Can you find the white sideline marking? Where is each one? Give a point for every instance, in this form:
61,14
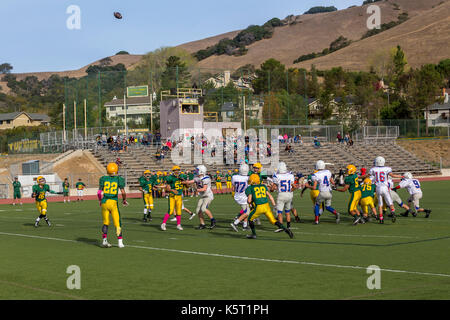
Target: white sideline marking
240,257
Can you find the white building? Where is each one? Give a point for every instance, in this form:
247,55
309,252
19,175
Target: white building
438,113
137,109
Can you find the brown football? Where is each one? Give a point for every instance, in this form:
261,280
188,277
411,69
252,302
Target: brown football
117,15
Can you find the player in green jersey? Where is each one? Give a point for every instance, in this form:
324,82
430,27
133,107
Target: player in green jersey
17,191
351,183
66,189
108,195
38,192
146,184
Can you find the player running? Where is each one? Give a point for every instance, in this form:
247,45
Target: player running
323,181
239,185
351,183
203,183
415,194
380,175
146,184
313,193
39,190
284,181
396,198
108,191
259,196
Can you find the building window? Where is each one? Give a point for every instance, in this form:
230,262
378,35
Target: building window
112,108
8,121
230,114
190,108
433,111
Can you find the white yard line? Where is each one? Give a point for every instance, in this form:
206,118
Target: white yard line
241,257
40,290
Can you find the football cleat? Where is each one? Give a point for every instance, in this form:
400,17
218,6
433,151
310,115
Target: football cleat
105,244
251,236
48,222
144,219
213,224
338,217
278,230
427,211
201,227
316,222
404,214
121,245
192,216
36,224
289,232
356,220
394,217
233,226
179,227
173,219
381,221
297,219
163,227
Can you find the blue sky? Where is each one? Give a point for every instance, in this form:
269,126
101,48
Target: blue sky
35,37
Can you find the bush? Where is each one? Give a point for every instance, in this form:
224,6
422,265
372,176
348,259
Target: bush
320,9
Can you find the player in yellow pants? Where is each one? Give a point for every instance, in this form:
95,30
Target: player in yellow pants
108,195
39,191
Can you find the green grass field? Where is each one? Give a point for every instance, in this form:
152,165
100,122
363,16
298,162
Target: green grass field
327,261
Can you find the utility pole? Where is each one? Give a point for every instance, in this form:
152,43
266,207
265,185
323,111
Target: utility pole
85,120
64,122
125,107
245,122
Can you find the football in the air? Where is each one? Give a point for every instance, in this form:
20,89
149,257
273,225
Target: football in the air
118,15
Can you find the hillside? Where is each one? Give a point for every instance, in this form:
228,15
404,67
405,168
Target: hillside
313,33
127,59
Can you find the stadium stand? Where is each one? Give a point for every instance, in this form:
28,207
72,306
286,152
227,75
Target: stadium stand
137,159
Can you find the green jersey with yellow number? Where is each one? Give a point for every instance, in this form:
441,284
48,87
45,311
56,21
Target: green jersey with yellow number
353,181
367,190
259,194
311,182
228,177
39,192
111,186
176,184
147,185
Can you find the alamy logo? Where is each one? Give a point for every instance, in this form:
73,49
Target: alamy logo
374,281
74,280
73,22
374,21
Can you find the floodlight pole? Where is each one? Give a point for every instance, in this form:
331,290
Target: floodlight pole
125,106
75,115
85,120
245,122
64,122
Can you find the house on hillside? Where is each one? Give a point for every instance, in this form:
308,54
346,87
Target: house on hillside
222,80
137,109
315,106
22,119
438,113
253,110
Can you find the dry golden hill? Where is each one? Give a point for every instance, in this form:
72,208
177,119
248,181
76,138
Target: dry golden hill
425,39
429,150
313,33
127,59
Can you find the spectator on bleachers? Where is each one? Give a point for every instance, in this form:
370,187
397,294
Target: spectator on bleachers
339,137
316,142
289,148
346,138
269,149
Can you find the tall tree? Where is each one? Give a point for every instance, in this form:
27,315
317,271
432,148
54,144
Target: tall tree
5,68
176,74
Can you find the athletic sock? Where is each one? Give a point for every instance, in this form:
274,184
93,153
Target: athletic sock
166,217
236,222
178,219
331,209
252,227
288,224
105,231
280,226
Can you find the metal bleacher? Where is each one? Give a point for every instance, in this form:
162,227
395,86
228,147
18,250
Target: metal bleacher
337,155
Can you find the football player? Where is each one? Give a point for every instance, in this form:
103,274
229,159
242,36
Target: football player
284,181
380,175
415,194
351,183
259,196
313,193
65,187
38,193
108,191
203,183
228,177
17,194
239,185
323,182
218,178
367,201
174,186
146,185
80,189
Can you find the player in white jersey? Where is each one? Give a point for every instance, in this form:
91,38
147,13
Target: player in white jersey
323,180
396,198
284,182
380,176
415,193
205,194
239,183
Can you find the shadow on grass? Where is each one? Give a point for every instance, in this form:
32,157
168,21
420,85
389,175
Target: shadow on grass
93,242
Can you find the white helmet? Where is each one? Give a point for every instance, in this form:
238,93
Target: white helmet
243,169
201,169
379,162
408,175
282,168
320,165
